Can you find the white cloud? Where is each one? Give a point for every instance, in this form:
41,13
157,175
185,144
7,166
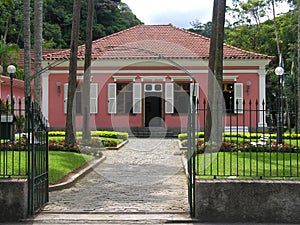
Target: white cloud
179,13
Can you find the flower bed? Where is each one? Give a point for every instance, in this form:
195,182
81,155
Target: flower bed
233,146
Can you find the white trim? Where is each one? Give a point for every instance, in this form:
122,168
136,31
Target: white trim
117,78
191,71
174,78
45,94
153,78
81,77
234,78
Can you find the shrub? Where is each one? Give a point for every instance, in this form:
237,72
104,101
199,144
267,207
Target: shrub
105,134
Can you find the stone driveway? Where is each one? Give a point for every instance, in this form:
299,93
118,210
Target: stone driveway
145,176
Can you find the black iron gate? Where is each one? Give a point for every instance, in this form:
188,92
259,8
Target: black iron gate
191,131
37,136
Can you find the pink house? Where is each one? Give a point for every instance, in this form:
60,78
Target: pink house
143,76
18,91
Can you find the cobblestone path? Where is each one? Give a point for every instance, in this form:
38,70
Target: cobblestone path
146,175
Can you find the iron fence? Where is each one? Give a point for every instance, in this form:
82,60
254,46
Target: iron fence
13,142
251,141
24,149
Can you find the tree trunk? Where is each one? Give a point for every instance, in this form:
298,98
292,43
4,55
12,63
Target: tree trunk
27,48
38,48
86,135
214,123
211,70
298,75
70,120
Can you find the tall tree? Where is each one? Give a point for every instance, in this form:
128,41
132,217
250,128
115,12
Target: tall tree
27,47
70,120
215,75
298,75
38,42
87,71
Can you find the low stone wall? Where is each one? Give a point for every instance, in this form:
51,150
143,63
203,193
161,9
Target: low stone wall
247,201
13,199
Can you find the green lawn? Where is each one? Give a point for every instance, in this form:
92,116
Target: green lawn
60,163
248,164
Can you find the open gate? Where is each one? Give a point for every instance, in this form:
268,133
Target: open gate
191,154
37,136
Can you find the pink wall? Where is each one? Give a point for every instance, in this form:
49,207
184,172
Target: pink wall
103,119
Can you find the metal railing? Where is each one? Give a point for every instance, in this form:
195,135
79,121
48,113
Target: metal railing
13,142
255,144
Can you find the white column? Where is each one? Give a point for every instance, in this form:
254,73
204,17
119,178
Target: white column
45,94
262,97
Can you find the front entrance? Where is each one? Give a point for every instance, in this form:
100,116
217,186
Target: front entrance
153,105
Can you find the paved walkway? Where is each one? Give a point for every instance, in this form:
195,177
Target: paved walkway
145,176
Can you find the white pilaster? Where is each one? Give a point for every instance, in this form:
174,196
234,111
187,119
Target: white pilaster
45,94
262,97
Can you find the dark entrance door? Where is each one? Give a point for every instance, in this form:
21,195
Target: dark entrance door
153,109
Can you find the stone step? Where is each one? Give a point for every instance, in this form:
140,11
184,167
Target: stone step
110,218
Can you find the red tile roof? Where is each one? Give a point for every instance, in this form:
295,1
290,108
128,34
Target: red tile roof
20,56
154,41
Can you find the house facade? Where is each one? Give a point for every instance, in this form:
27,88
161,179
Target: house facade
18,92
145,76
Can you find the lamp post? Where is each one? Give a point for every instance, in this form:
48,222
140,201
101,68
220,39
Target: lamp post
11,69
279,71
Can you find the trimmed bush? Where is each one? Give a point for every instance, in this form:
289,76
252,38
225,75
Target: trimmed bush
106,134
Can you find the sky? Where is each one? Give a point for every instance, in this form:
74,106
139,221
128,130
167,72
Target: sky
177,12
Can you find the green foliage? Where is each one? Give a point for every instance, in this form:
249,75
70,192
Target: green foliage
110,16
183,136
105,134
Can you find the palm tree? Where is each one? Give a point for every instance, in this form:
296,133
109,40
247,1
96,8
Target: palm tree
87,71
298,75
27,47
38,39
7,53
70,121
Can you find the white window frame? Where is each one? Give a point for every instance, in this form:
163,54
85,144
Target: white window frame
169,98
238,98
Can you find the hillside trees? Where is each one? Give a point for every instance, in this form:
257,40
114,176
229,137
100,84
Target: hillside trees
110,16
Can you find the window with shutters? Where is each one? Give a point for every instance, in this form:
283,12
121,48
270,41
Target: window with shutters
233,96
181,97
78,98
124,98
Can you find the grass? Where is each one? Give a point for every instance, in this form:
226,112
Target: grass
62,163
14,163
249,164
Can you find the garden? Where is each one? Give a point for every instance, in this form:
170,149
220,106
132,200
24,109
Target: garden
63,158
247,155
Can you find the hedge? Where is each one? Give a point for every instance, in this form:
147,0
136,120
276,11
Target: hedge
183,136
106,134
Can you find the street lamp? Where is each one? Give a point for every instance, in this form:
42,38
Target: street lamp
279,71
11,69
